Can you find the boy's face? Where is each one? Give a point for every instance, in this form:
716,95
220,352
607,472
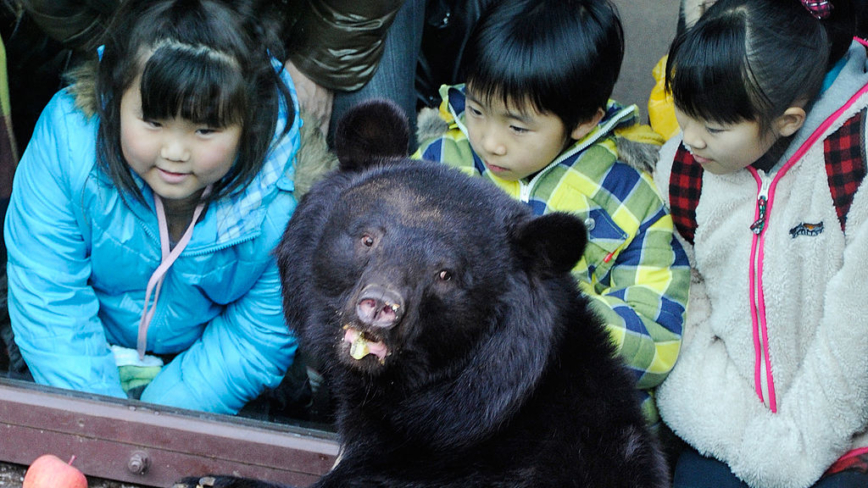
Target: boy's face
513,143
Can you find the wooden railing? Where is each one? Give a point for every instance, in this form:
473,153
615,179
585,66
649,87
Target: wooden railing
148,445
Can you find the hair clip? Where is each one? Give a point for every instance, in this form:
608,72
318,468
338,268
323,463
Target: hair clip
819,9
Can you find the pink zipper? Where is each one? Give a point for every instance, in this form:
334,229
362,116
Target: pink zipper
759,327
760,224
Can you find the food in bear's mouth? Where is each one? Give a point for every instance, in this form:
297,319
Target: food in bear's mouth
362,344
359,348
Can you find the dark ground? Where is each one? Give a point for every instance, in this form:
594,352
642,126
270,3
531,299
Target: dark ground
12,476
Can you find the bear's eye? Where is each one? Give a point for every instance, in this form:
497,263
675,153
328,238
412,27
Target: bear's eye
445,275
367,240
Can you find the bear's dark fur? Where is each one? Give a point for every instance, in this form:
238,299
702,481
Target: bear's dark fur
458,347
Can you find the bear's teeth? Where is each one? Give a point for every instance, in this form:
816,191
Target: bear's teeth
359,348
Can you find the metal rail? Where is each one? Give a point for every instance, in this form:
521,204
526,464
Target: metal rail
149,445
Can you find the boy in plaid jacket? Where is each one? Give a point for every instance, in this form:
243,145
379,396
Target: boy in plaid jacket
535,119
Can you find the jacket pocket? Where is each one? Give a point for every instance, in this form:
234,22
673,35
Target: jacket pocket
605,239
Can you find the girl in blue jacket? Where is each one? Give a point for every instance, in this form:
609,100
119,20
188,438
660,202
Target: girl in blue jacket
145,210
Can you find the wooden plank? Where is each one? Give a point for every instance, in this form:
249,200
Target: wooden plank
110,438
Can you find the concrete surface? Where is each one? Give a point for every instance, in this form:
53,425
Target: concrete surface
649,27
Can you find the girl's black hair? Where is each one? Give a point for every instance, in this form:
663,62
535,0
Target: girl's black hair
750,60
562,56
202,60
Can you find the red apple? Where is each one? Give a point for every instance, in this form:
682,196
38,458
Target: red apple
49,471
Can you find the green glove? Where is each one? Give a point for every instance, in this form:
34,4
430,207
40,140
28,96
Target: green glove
136,376
135,373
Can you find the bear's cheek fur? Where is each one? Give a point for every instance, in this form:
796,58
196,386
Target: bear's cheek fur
449,325
337,268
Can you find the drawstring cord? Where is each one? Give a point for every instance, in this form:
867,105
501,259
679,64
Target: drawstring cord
168,258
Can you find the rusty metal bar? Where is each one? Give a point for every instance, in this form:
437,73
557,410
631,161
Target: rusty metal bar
113,439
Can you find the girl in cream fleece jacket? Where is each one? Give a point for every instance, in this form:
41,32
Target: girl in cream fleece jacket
765,185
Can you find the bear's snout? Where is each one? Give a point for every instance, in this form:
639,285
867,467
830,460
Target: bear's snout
379,307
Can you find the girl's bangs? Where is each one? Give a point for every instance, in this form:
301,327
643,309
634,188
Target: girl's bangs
193,84
708,77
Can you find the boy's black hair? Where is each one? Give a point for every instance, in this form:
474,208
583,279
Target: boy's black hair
561,56
750,60
199,59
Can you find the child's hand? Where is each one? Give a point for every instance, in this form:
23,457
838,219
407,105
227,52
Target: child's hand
135,373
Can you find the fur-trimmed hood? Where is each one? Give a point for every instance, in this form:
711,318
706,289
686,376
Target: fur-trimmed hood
82,85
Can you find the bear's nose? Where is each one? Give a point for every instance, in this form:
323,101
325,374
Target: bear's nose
379,306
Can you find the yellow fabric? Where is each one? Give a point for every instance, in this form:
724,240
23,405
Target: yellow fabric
661,109
5,105
4,85
641,133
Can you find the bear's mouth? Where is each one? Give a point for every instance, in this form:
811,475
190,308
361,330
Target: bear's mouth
363,343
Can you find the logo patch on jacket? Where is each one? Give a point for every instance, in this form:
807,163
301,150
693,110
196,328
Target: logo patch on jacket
805,229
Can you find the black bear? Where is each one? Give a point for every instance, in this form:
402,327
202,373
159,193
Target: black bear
458,347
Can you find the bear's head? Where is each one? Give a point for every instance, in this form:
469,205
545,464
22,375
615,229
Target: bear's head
400,269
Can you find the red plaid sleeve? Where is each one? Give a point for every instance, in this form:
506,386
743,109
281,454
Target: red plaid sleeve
685,186
845,163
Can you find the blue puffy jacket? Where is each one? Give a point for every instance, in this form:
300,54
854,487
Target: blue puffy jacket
80,257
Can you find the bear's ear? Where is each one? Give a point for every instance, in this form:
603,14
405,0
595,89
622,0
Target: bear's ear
371,132
551,243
